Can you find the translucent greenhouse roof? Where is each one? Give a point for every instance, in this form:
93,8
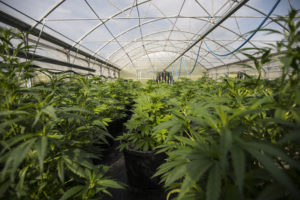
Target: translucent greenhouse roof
148,35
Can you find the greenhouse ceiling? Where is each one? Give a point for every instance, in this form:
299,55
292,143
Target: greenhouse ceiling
150,35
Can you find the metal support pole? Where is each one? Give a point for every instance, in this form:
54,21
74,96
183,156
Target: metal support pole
232,11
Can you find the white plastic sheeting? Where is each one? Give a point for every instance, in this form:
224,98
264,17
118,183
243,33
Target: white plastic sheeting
144,36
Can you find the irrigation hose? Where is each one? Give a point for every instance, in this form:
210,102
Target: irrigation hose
226,54
249,38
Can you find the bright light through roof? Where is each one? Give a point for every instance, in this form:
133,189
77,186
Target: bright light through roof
142,34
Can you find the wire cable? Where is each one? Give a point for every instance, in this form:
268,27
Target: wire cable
249,38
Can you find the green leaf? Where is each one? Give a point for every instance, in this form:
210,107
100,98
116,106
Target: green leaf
185,140
238,162
50,110
74,167
11,142
61,170
10,122
277,173
22,176
225,143
195,171
13,112
37,118
177,173
41,150
168,166
276,152
16,157
110,183
213,187
71,192
99,123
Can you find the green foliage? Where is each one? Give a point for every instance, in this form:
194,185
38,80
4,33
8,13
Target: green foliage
150,109
225,139
46,130
237,139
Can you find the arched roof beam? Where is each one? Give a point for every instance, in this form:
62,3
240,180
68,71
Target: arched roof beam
101,23
121,46
150,21
168,51
192,52
142,38
159,32
48,13
137,39
174,24
202,36
173,46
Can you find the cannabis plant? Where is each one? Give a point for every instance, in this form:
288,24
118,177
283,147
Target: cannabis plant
150,110
240,140
46,133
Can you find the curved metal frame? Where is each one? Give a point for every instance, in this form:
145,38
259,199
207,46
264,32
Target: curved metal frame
150,21
142,37
157,51
137,39
192,52
169,51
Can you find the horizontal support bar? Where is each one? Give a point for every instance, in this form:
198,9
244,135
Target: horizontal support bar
202,36
14,22
154,17
39,58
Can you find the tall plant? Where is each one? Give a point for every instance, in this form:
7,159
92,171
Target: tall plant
245,144
45,135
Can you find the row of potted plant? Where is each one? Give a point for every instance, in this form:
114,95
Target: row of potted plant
225,139
53,131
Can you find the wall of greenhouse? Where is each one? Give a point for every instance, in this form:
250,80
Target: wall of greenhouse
270,71
149,99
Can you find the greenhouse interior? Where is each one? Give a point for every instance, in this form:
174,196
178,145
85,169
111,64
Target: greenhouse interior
150,99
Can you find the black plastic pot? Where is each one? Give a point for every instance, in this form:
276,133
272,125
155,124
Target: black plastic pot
141,166
115,127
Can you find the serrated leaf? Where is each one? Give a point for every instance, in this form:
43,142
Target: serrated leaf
110,183
239,164
276,152
16,157
195,171
177,173
22,176
41,150
225,143
13,112
72,192
277,173
50,111
185,140
213,187
61,170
